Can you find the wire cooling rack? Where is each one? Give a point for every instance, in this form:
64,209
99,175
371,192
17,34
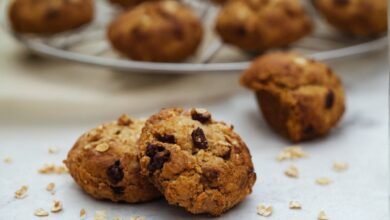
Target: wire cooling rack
89,45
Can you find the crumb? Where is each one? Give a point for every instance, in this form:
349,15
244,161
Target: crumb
22,192
294,205
339,167
41,212
292,172
323,181
264,210
57,206
103,147
322,216
8,160
83,213
291,153
51,187
53,150
53,169
100,215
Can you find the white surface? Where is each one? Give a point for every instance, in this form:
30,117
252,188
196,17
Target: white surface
360,140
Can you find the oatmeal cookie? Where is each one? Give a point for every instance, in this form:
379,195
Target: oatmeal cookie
49,16
300,98
197,163
257,25
355,17
163,31
104,162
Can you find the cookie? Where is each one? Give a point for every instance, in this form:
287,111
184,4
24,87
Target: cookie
49,16
104,162
257,25
163,31
300,98
128,3
197,163
355,17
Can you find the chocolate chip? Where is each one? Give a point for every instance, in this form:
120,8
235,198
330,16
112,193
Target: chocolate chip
329,99
226,155
158,156
309,130
199,139
115,172
210,174
165,138
117,190
341,2
201,115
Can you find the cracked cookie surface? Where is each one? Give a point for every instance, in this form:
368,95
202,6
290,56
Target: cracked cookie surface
104,162
300,98
49,16
196,162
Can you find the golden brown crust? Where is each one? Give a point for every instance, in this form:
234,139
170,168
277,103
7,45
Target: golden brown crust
355,17
299,98
49,16
157,31
257,25
113,173
197,163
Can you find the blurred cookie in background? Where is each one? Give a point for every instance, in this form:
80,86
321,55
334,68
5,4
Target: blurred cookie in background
163,31
49,16
258,25
299,98
355,17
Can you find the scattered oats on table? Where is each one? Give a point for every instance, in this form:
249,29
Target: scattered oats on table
291,153
53,169
51,187
41,213
57,206
264,210
100,215
339,166
294,205
83,213
22,192
137,218
292,171
322,216
8,160
323,181
53,150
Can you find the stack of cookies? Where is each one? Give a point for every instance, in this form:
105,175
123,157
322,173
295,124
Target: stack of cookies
192,160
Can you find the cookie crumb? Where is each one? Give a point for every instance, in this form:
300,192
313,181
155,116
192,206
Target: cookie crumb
53,150
323,181
291,153
51,187
339,166
292,171
52,169
22,192
103,147
8,160
83,213
100,215
124,120
137,218
264,210
322,216
41,213
57,206
294,205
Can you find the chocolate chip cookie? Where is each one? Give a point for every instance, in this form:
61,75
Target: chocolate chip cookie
163,31
355,17
49,16
196,162
257,25
104,162
300,98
